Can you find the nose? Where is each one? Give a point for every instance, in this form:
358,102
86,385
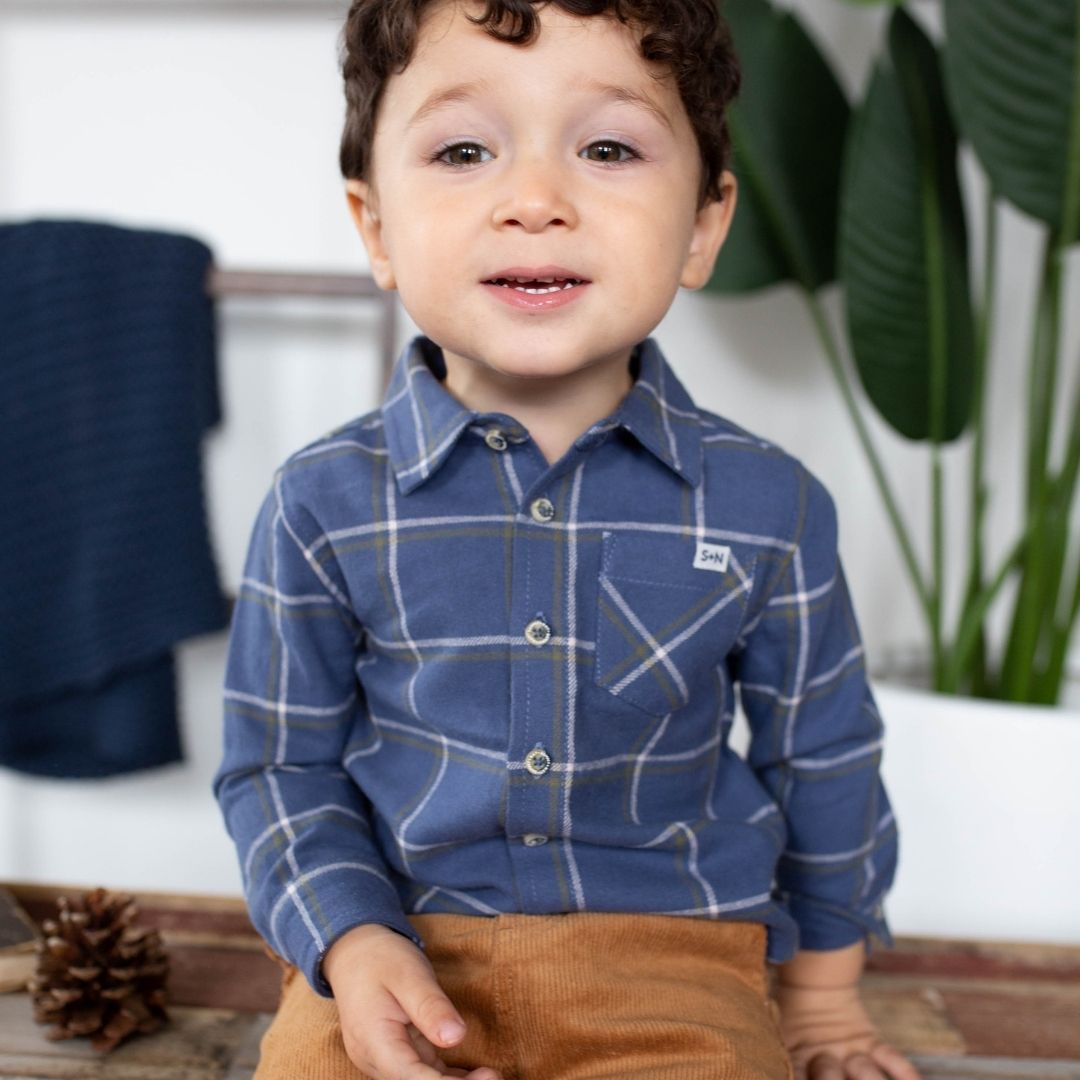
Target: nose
536,196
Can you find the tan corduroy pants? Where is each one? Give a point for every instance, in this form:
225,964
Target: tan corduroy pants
582,996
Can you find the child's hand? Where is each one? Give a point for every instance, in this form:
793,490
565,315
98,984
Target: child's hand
830,1037
392,1009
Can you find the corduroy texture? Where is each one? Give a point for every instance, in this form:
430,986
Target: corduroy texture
108,383
580,996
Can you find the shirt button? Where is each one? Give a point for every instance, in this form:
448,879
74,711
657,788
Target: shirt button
496,439
542,510
537,762
533,839
538,633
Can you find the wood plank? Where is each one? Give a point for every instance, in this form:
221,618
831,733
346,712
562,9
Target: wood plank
197,1044
246,1056
226,916
978,959
217,958
222,979
1003,1023
976,1068
913,1017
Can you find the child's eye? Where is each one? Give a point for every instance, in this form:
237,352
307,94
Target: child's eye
609,152
462,154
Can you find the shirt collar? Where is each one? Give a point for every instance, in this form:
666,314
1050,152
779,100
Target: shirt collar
424,421
661,415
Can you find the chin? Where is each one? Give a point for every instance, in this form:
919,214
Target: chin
539,367
523,360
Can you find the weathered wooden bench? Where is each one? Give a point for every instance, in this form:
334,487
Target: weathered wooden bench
962,1009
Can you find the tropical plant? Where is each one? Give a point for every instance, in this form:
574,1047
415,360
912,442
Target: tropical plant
871,198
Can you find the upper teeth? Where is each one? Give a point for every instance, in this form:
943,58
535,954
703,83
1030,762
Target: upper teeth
568,283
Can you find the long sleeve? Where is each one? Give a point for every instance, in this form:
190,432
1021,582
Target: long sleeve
816,737
302,828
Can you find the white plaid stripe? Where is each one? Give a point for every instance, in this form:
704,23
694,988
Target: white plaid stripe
639,764
291,709
318,599
572,695
659,653
372,529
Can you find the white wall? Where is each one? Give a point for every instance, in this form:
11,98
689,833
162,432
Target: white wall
224,123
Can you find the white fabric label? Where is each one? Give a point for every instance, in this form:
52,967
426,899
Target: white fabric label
712,557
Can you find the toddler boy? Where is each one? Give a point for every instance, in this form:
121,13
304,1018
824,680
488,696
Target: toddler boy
483,664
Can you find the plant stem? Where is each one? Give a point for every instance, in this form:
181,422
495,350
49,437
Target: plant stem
836,364
1019,672
975,609
938,318
976,670
1068,600
1069,614
937,538
1039,372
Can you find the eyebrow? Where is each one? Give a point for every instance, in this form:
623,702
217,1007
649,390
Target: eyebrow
629,96
454,95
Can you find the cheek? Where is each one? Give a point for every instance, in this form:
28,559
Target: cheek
427,231
415,250
662,247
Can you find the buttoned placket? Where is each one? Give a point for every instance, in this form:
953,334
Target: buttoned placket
537,727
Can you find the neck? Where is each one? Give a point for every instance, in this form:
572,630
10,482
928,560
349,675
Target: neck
555,410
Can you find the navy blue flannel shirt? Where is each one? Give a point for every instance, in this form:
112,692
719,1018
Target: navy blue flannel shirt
461,679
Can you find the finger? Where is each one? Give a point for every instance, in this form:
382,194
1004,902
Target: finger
395,1057
824,1066
895,1064
424,1047
430,1009
862,1067
430,1056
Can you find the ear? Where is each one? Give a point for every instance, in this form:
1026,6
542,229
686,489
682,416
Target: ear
710,230
363,205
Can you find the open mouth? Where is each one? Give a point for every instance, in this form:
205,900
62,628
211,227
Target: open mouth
536,286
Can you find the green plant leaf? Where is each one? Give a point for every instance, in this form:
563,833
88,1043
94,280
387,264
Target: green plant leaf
1013,72
787,129
903,245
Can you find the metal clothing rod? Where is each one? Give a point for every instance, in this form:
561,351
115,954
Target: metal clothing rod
225,283
264,282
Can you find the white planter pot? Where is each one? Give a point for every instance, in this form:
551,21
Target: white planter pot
987,799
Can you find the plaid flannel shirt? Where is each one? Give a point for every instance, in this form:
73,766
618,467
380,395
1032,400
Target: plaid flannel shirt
463,680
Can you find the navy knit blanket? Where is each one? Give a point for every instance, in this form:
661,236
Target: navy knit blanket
107,383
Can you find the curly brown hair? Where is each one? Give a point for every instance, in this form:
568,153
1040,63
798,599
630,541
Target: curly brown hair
689,37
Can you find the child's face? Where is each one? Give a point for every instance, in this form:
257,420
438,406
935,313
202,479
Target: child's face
563,158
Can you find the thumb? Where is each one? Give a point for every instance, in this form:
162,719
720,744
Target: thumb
430,1009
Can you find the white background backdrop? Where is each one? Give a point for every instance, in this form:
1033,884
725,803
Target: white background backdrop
223,121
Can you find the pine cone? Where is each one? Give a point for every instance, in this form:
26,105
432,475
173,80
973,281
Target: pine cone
97,974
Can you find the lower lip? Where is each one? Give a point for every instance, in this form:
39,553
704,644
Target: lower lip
524,301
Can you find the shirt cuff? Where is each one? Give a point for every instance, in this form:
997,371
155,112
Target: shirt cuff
341,906
826,926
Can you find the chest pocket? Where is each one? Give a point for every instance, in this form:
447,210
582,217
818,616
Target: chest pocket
668,612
